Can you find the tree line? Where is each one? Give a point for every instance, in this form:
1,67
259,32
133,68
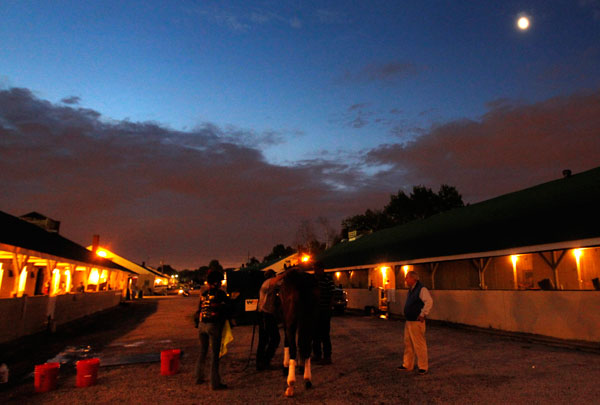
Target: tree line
421,203
198,276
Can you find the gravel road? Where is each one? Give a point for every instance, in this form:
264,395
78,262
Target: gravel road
465,366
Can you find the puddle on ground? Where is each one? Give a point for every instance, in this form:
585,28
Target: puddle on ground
127,344
71,354
129,359
136,344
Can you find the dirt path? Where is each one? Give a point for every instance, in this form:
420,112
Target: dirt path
465,367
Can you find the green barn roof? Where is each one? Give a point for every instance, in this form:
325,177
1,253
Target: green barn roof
562,210
22,234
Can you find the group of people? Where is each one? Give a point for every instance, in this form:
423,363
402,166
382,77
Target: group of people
213,312
270,317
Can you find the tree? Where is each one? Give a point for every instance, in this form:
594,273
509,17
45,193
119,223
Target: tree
186,276
253,261
214,265
450,198
328,231
399,209
306,238
168,270
402,208
200,274
364,223
305,234
279,251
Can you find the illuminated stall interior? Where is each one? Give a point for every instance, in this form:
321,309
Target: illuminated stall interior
35,260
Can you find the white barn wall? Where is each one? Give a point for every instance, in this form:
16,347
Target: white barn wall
28,315
359,298
559,314
571,315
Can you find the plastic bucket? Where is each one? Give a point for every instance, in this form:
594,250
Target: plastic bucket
45,376
169,361
87,372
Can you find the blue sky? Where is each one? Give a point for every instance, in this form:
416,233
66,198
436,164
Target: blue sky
297,67
328,84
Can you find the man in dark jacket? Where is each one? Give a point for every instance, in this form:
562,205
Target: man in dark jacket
322,339
211,319
417,307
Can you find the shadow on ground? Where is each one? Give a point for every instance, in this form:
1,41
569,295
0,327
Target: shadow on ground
96,330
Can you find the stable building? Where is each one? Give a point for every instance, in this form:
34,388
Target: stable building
147,280
47,280
527,261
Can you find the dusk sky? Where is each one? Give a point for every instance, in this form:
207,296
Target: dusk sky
186,131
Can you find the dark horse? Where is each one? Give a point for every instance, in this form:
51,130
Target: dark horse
299,297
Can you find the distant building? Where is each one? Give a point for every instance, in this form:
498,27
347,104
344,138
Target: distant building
147,279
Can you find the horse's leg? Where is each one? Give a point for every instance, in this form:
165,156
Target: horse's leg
291,379
286,349
307,374
286,357
300,362
305,341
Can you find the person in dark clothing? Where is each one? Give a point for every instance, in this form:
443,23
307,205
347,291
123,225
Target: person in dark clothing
268,328
322,339
211,316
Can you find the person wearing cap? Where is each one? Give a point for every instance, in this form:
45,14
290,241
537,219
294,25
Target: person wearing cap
212,313
268,328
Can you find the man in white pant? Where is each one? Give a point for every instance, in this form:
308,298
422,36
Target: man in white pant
417,307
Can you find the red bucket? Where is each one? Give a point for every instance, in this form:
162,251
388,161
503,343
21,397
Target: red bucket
87,372
45,376
169,361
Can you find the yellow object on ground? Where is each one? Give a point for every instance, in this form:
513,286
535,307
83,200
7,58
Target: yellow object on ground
226,338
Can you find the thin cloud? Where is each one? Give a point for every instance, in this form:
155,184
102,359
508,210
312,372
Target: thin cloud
260,17
264,17
357,106
71,100
240,20
356,116
360,115
381,72
330,17
249,138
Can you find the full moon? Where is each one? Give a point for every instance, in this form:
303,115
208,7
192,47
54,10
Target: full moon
523,23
